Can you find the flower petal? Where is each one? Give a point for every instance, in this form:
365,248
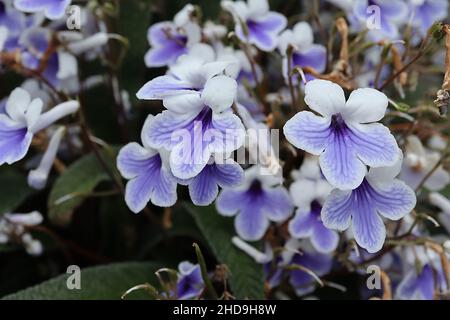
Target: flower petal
340,164
229,174
229,202
277,204
324,240
153,183
302,225
203,188
308,132
14,142
374,144
164,55
395,200
251,223
132,158
368,227
324,97
219,93
365,105
337,210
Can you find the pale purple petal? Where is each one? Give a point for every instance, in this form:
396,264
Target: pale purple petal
374,144
314,57
417,286
190,285
14,142
393,201
277,204
368,227
340,164
164,55
229,175
251,223
337,210
308,132
131,160
302,225
204,189
149,181
263,32
229,202
324,240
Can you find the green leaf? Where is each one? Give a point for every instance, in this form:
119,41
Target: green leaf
247,278
101,282
74,185
13,190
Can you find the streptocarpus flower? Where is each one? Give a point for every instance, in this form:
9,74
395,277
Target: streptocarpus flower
199,121
168,41
303,255
427,12
13,21
381,17
420,285
23,118
308,192
149,177
305,53
61,67
346,137
54,9
204,187
255,24
419,161
189,83
259,200
190,282
379,194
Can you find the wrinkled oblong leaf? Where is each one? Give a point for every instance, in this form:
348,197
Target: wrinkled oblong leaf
74,185
106,282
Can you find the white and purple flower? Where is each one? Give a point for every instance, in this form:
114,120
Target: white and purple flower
149,176
54,9
346,137
308,192
167,44
419,162
382,18
259,200
23,118
199,121
190,282
427,12
305,53
255,23
379,195
420,285
302,254
204,188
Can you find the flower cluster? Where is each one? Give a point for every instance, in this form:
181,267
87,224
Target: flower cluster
315,135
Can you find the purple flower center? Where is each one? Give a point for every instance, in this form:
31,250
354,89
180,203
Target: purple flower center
205,118
316,208
255,191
